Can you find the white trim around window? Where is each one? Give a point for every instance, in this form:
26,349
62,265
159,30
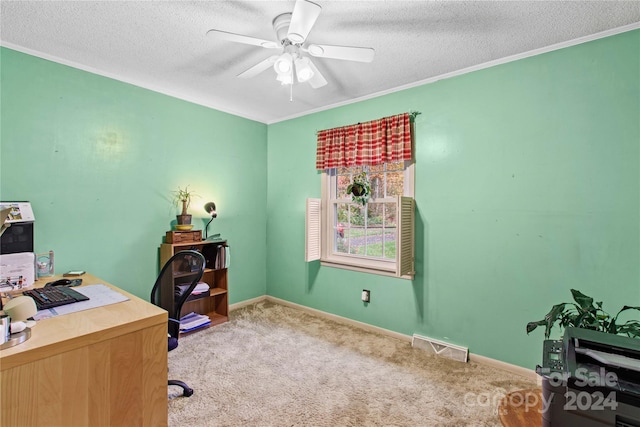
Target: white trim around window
320,214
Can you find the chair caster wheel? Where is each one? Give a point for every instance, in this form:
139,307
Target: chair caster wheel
187,392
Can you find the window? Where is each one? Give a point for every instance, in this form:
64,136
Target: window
376,236
368,238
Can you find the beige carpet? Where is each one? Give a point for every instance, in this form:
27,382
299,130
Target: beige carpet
272,365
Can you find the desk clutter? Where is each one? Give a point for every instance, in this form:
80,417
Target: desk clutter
97,295
54,297
15,326
70,357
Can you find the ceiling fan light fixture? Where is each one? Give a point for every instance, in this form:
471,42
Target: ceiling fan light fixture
292,30
285,78
283,64
303,70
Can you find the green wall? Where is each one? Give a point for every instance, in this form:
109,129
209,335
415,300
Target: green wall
527,185
98,159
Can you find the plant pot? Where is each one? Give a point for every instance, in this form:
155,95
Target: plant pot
357,190
183,219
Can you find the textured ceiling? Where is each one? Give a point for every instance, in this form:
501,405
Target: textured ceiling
162,45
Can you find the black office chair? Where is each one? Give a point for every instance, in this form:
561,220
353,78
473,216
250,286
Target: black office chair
176,281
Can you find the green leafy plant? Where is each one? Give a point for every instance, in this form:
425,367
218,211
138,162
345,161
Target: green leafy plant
360,188
583,313
183,196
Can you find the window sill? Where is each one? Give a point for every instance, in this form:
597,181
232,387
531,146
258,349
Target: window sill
363,269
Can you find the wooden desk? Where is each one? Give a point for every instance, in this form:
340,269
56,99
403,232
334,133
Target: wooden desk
101,367
522,408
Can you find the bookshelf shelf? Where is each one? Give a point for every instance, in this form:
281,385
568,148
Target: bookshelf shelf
217,291
216,304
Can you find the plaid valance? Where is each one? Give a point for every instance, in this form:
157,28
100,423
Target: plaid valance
371,143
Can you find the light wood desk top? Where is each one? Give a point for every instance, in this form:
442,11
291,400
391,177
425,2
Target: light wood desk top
70,331
106,366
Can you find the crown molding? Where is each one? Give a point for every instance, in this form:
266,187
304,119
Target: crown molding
176,94
473,68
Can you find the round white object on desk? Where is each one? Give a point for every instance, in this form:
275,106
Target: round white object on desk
20,308
18,327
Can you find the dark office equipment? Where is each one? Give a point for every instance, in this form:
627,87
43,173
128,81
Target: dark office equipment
64,282
54,297
552,355
598,385
183,268
17,238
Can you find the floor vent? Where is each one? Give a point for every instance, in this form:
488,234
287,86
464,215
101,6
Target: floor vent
450,351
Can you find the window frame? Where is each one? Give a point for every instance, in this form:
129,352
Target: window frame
361,263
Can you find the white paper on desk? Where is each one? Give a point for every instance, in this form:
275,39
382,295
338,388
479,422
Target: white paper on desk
20,267
99,295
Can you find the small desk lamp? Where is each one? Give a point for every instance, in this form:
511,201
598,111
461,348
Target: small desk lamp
210,208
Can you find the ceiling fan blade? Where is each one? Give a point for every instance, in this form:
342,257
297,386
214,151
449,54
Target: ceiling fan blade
317,80
238,38
258,68
360,54
303,17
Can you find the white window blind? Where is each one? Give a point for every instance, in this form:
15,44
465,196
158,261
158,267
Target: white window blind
313,230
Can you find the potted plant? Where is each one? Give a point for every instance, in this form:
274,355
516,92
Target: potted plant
360,188
183,196
583,313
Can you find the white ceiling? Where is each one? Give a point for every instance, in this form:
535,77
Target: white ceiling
162,45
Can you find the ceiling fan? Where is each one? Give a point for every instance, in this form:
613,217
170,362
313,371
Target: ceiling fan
292,30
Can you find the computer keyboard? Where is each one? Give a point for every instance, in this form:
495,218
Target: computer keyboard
54,296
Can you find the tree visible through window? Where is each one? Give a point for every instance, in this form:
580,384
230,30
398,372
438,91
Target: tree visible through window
370,230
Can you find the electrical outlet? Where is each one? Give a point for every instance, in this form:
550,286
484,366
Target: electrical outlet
366,295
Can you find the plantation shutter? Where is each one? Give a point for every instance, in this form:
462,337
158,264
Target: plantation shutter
405,252
312,230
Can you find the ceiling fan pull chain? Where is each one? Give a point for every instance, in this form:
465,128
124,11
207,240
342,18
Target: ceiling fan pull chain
291,92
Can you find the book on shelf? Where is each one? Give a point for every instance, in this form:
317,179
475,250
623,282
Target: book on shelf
193,321
204,325
200,291
198,295
222,257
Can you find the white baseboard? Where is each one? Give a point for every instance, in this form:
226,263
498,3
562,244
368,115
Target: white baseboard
514,369
341,319
247,302
476,358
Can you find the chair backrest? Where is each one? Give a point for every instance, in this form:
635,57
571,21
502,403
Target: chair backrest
177,279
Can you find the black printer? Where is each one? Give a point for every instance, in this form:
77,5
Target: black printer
591,379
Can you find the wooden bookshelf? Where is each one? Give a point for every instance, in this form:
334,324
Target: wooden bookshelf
216,305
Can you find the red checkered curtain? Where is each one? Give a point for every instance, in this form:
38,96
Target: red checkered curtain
371,143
